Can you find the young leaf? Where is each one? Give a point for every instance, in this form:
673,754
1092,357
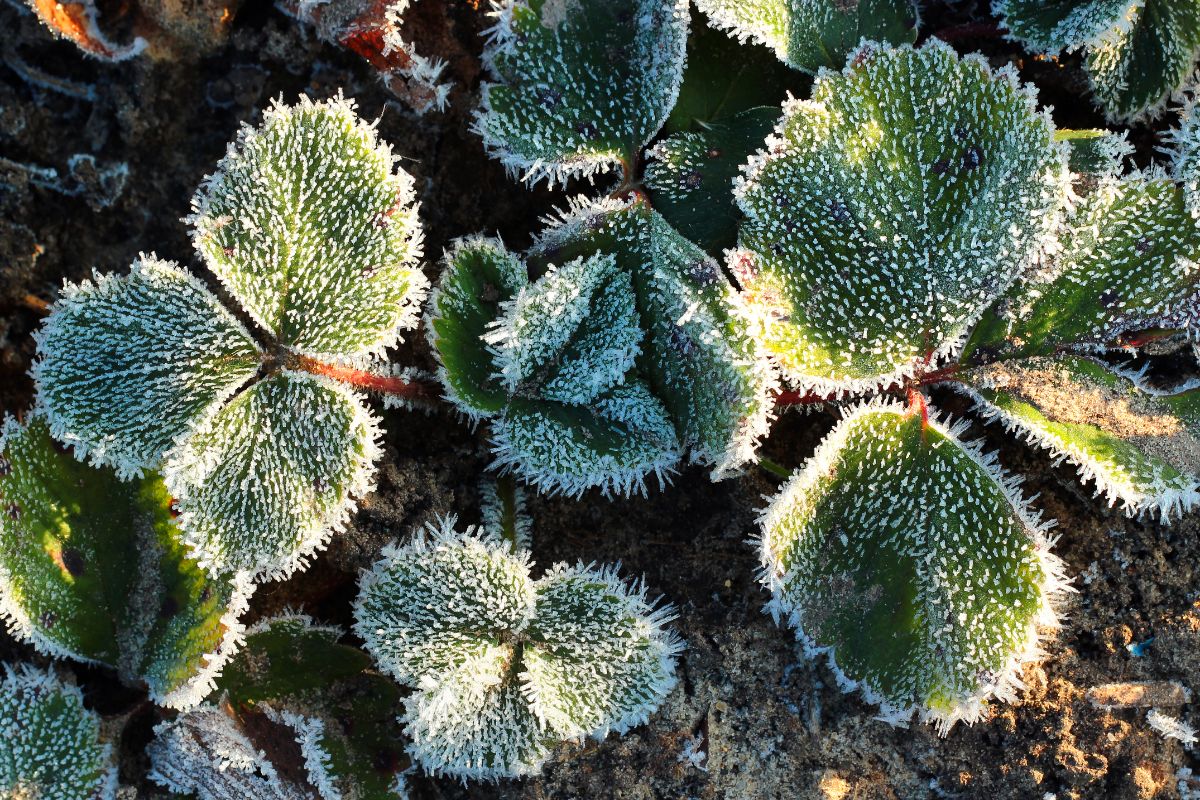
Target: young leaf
907,557
128,365
92,568
52,745
810,34
311,230
504,665
581,84
479,275
887,212
1139,448
698,357
1125,265
690,176
1096,152
264,481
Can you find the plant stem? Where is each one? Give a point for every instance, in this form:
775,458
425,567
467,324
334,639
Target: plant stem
506,493
773,468
365,379
968,30
793,398
35,303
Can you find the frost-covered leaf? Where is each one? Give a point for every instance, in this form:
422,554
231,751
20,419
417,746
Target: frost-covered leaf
265,481
810,34
94,569
1096,152
690,176
312,230
582,85
1185,155
1144,60
889,210
127,365
52,745
1051,26
77,21
504,666
1126,264
698,357
1139,448
479,274
913,563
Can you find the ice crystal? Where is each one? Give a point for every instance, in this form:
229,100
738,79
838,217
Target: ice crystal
810,34
1139,52
889,210
504,665
907,557
1171,728
94,569
1185,155
315,234
581,85
52,744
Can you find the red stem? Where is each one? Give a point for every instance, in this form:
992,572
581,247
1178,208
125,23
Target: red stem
794,398
372,382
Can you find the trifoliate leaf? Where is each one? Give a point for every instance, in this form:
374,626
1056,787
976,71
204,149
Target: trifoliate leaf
574,333
516,665
1051,26
724,77
265,481
127,365
1125,265
479,274
698,357
614,443
1145,58
94,569
909,559
1096,152
690,176
810,34
1140,449
311,230
52,745
887,212
582,85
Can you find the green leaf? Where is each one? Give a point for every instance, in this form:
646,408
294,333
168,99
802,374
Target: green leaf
810,34
265,481
1125,265
690,176
698,357
1184,151
907,557
94,569
52,744
1096,152
505,666
890,210
128,365
581,84
479,275
1142,62
1139,448
724,78
311,230
1050,26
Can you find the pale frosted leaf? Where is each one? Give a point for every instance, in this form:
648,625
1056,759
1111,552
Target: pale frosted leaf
1051,26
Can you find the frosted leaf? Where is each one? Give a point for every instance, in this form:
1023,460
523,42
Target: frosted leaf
810,34
502,508
690,176
1171,727
888,211
1124,266
911,561
313,232
615,443
1096,152
519,665
52,745
1139,448
479,274
264,482
700,360
574,332
127,365
1185,155
1057,25
581,84
94,569
77,21
204,753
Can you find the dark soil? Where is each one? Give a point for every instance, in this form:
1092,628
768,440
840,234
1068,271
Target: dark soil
772,724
